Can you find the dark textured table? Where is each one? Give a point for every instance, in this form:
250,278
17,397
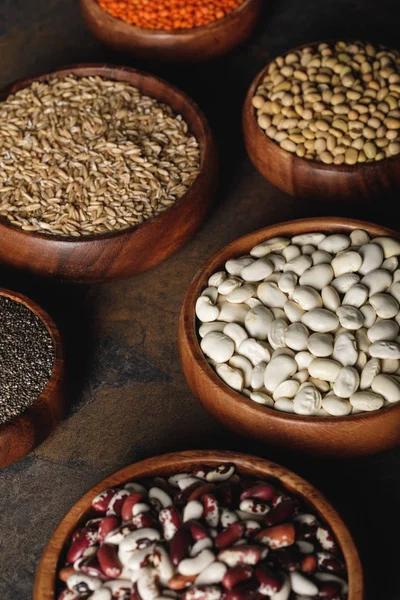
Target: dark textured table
127,396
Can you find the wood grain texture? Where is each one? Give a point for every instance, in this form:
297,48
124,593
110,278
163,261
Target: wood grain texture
182,45
354,435
310,179
45,583
125,253
21,435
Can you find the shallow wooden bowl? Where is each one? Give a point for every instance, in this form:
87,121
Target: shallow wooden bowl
310,179
122,254
46,576
181,45
355,435
21,435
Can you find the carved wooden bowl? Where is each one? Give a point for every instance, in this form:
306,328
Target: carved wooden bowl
46,576
22,434
354,435
310,179
181,45
128,252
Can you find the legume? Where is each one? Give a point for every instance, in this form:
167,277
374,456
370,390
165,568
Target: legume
86,155
26,358
208,535
168,15
333,103
308,325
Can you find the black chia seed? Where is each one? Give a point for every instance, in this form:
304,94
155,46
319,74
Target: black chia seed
26,358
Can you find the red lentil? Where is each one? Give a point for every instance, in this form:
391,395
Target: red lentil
169,14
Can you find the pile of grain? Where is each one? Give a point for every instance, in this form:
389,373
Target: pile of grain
86,155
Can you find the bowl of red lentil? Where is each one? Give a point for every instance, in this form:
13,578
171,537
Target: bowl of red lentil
32,376
104,173
182,30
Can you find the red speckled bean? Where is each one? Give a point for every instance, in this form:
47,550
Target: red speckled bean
325,539
198,492
87,538
109,561
240,555
102,500
197,531
145,519
269,581
237,575
179,545
229,536
262,491
129,503
91,567
329,563
284,511
107,525
278,536
211,509
170,521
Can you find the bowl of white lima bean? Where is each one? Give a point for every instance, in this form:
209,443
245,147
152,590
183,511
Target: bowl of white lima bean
323,121
290,335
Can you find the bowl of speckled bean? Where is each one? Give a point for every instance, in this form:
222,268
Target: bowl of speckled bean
190,31
322,121
202,524
290,335
31,376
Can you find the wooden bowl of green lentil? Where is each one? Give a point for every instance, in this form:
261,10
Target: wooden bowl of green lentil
180,45
122,253
306,177
34,419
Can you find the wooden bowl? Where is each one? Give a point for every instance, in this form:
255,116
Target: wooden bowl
46,580
121,254
181,45
310,179
21,435
355,435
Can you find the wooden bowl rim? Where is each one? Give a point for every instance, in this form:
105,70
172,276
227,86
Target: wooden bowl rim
285,155
165,35
57,370
188,321
86,69
45,580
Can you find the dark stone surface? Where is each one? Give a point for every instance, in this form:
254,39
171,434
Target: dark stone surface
127,396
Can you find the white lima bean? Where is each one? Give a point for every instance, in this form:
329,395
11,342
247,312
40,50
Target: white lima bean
308,325
317,277
320,344
345,349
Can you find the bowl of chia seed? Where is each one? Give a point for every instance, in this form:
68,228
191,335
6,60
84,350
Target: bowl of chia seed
31,376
